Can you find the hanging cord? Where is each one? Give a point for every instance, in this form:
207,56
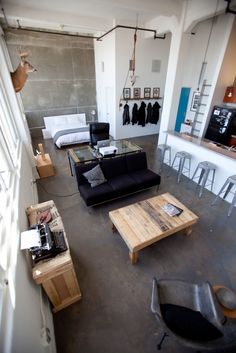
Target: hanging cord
132,58
207,46
52,194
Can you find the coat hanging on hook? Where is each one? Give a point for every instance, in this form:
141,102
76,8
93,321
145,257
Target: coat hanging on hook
134,114
126,117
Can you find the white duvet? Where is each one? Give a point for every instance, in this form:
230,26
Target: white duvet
70,139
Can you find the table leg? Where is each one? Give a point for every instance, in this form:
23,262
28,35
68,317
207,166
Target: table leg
114,229
70,164
133,257
188,230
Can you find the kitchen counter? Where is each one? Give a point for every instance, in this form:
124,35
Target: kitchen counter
221,149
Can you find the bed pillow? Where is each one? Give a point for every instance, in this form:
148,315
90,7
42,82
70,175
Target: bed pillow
95,176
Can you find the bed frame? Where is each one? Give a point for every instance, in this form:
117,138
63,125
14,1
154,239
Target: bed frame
68,119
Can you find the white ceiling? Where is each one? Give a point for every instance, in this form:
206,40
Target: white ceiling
89,16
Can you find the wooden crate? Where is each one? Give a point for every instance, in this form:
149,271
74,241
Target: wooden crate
44,165
57,275
59,281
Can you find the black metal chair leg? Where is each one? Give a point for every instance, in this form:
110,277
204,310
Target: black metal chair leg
161,341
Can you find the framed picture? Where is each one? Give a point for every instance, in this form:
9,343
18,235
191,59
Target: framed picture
147,92
156,92
136,92
195,101
126,93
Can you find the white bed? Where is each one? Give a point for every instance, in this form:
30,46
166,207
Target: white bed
66,129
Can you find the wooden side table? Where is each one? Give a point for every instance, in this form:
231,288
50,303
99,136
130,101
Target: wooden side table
57,275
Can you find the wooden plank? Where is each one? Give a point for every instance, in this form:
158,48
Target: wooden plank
51,292
71,282
66,303
61,287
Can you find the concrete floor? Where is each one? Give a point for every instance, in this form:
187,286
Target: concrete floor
114,314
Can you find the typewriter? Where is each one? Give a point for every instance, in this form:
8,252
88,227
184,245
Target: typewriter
51,243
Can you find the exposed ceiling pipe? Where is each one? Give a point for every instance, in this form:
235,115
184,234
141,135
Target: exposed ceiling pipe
135,28
228,10
62,33
39,30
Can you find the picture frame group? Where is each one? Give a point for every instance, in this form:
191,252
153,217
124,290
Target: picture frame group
148,93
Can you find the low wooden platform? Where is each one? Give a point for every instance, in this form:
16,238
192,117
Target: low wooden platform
144,223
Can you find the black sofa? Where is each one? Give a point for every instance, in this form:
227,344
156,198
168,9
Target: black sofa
124,174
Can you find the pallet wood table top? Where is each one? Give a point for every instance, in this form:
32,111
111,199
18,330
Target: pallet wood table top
145,222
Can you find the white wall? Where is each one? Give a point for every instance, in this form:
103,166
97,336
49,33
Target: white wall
21,319
190,56
105,80
27,319
198,49
192,50
115,50
227,72
147,49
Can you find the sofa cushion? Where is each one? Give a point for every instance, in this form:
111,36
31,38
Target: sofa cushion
82,168
122,183
136,161
92,196
145,178
113,166
95,176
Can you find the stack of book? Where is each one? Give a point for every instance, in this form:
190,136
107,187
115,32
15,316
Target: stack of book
172,210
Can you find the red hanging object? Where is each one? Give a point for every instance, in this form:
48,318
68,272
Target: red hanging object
132,68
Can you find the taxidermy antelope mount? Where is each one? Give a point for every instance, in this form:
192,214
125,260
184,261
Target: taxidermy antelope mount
19,76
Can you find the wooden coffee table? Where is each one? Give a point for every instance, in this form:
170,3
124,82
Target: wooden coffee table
143,223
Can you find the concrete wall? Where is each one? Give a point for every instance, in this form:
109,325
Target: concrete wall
65,79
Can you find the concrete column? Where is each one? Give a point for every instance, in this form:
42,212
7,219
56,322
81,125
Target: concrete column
171,95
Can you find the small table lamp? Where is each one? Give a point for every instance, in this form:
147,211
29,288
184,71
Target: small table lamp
230,95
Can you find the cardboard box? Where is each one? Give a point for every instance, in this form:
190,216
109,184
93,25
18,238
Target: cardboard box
44,165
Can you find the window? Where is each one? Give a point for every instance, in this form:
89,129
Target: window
9,172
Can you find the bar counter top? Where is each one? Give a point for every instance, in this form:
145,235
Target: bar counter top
216,147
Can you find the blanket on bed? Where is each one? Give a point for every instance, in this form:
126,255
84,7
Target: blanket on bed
69,131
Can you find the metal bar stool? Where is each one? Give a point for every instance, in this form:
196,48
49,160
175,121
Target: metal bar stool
183,156
164,148
230,182
204,168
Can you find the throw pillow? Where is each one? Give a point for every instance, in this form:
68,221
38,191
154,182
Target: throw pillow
188,323
95,176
